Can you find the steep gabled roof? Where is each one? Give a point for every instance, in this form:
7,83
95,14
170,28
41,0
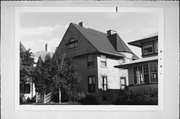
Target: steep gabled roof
98,40
101,42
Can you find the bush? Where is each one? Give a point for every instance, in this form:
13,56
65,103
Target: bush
147,97
32,100
88,100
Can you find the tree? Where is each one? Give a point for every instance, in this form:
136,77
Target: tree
42,75
26,66
65,78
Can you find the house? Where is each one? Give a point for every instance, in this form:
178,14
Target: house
26,87
143,72
94,55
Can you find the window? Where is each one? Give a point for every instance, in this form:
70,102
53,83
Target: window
148,48
135,75
104,83
103,61
146,73
71,44
138,75
123,82
91,61
154,72
25,88
91,84
156,46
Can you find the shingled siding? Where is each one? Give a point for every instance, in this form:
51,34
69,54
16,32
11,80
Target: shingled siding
84,47
84,71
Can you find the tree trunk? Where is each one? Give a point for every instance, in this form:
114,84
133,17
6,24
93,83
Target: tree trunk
59,95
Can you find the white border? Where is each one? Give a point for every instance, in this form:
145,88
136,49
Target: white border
160,12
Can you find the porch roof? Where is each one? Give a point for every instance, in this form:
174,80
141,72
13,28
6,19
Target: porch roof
141,60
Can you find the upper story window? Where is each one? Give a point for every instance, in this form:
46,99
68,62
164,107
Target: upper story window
91,61
150,48
147,48
156,46
103,61
73,43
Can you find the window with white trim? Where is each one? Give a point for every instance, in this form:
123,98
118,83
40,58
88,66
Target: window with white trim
123,82
156,46
104,83
103,61
147,48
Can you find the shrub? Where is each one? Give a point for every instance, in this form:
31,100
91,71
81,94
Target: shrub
146,97
88,100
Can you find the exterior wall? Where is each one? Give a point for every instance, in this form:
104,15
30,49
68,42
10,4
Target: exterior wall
80,63
113,74
128,57
84,47
113,78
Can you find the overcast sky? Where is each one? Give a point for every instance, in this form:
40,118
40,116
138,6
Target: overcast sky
37,29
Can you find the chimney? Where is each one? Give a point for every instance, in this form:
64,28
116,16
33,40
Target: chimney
81,24
110,32
112,36
46,46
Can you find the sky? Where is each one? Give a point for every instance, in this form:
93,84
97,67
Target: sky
40,28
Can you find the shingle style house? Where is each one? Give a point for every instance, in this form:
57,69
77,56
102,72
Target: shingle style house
94,55
144,71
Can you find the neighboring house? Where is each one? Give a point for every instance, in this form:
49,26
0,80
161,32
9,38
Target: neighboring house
27,88
144,71
94,55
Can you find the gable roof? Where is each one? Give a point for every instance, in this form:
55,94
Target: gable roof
101,42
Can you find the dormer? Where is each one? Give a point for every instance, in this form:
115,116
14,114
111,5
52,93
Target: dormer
148,45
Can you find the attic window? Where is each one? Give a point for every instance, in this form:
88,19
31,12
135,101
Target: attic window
71,44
